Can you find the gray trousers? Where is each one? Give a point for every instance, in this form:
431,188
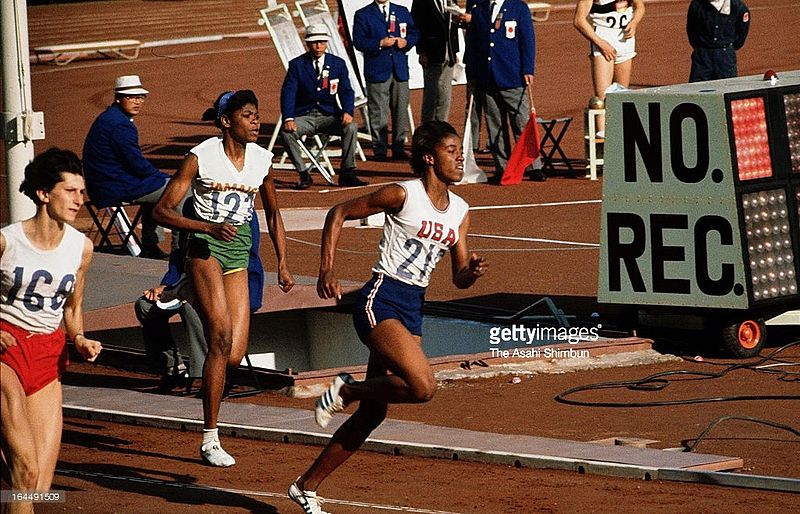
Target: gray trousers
316,122
438,84
383,98
160,346
504,107
475,118
152,233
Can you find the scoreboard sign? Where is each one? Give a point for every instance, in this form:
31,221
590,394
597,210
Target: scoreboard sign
701,195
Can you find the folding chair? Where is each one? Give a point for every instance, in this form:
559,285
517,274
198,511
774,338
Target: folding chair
553,131
114,221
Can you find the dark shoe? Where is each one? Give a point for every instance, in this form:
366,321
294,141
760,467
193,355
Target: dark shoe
381,157
538,175
153,252
173,381
348,178
305,181
400,156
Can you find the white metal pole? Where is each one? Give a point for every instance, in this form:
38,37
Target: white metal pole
17,116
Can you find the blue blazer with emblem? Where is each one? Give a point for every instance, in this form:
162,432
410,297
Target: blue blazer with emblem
500,51
369,27
302,91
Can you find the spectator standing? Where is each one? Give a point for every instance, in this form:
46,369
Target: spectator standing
610,26
437,49
317,98
384,32
115,169
500,64
716,30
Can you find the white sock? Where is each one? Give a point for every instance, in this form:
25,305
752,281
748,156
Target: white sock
210,435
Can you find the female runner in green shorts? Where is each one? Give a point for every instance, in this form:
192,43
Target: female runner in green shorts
224,174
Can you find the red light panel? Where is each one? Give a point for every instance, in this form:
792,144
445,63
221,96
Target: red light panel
750,138
791,104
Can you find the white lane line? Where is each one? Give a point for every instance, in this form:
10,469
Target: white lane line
528,205
244,492
535,240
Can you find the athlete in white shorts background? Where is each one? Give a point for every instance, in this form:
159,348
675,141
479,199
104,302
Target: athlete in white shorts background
610,26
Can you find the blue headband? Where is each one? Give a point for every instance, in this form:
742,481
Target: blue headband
223,103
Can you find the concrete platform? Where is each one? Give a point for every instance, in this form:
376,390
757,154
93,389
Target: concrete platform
108,304
393,436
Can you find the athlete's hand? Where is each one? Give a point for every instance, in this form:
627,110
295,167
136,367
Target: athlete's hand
630,30
477,266
347,118
222,231
608,51
388,41
285,279
401,43
6,341
423,60
88,348
328,286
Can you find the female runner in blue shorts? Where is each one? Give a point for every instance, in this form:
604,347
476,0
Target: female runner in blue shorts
424,220
224,174
43,265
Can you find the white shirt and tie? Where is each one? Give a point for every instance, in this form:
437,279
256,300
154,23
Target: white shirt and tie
318,63
496,6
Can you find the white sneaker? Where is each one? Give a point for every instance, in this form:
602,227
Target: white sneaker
330,402
213,455
308,500
180,291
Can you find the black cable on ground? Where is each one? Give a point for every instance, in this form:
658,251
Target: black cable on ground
690,447
658,382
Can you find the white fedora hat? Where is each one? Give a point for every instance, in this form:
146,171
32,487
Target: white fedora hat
317,32
129,85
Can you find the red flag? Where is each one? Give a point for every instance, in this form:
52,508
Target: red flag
525,152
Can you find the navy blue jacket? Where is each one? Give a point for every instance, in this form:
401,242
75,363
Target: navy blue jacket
113,164
302,91
369,27
437,32
500,52
708,28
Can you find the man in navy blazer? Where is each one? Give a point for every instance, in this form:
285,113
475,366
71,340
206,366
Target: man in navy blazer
384,33
316,98
116,171
499,58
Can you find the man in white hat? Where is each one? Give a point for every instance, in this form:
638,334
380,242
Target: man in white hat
114,167
316,98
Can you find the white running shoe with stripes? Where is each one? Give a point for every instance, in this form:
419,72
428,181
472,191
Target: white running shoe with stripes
330,402
308,500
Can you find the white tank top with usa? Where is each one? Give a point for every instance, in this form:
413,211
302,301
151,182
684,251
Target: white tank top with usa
36,283
221,192
416,237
